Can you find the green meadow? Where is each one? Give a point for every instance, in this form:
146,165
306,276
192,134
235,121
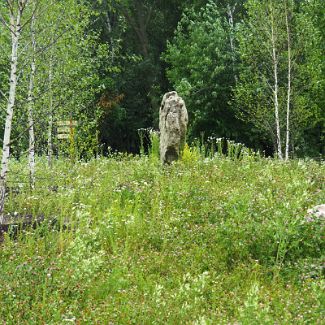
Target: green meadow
219,240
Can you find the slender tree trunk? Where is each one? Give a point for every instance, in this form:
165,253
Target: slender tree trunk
15,26
142,27
50,125
276,90
31,151
139,20
109,29
230,13
289,88
50,120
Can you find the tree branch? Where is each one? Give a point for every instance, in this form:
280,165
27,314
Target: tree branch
3,20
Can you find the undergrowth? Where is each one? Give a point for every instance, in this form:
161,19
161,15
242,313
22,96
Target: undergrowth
216,240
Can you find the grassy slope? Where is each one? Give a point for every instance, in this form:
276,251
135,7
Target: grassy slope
205,242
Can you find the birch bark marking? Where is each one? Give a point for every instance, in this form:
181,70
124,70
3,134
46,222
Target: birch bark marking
15,28
289,87
31,150
276,87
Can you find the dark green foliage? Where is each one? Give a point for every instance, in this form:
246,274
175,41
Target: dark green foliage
202,70
142,28
116,60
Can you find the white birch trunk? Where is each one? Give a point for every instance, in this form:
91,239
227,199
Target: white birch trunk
276,91
31,151
288,90
50,120
50,125
15,26
230,13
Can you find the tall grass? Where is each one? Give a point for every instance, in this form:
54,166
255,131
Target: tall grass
217,239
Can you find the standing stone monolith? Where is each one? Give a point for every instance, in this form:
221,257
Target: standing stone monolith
173,119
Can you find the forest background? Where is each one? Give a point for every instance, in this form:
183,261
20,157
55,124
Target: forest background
250,71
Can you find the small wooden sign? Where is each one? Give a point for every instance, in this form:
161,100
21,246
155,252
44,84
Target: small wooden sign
63,136
65,129
67,123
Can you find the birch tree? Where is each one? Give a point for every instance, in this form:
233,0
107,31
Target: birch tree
50,123
65,36
288,30
31,149
275,61
231,8
66,80
271,91
70,68
15,11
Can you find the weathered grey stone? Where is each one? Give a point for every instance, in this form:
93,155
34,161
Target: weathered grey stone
316,213
173,119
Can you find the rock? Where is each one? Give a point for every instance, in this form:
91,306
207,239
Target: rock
173,119
317,212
